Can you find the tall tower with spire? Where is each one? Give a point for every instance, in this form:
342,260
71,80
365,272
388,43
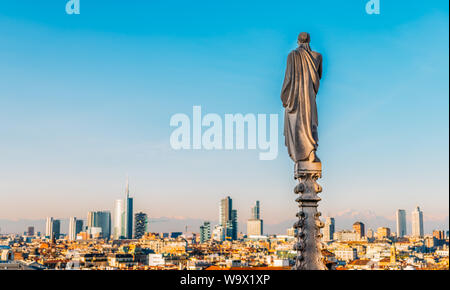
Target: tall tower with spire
128,220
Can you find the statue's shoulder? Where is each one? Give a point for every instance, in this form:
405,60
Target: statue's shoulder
316,54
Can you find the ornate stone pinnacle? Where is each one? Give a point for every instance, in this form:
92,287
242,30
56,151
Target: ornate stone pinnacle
308,246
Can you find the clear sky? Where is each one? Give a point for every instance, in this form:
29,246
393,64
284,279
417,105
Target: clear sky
86,99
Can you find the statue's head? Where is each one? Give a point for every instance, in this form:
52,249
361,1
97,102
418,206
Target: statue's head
303,38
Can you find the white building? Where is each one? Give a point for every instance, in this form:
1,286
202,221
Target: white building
347,254
254,227
118,219
72,228
156,260
417,223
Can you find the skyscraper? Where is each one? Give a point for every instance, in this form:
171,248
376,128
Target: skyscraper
328,230
119,219
417,223
226,205
72,229
140,226
401,223
100,219
255,224
359,228
75,227
56,230
52,228
228,218
128,214
256,211
30,231
205,232
49,227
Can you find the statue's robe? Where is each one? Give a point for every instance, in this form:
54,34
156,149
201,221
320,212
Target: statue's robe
301,84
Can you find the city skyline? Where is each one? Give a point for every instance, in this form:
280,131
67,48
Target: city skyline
72,126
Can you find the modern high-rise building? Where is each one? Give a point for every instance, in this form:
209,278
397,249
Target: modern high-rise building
30,231
72,229
140,225
226,205
128,214
119,219
328,230
205,232
78,227
56,229
256,211
52,228
358,227
100,219
49,227
401,223
254,227
75,227
255,224
228,218
417,223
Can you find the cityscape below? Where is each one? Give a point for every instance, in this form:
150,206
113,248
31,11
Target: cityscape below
124,240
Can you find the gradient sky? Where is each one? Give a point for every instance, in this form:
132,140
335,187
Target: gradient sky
86,99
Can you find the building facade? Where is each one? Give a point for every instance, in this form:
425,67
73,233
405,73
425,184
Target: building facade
401,223
140,225
417,223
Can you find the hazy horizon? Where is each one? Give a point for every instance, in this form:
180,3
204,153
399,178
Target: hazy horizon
87,99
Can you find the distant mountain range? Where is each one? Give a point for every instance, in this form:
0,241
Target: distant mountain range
344,220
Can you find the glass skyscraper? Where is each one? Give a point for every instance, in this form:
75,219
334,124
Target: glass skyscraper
401,223
100,219
417,223
128,214
228,218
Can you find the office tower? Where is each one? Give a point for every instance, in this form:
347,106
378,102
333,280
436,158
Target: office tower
401,223
119,219
228,218
102,220
328,230
128,214
205,232
78,227
234,225
383,233
370,234
30,231
256,211
56,230
75,227
417,223
49,227
140,226
72,229
255,224
226,205
358,227
254,227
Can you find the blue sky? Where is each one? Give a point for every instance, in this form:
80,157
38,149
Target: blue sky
86,99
